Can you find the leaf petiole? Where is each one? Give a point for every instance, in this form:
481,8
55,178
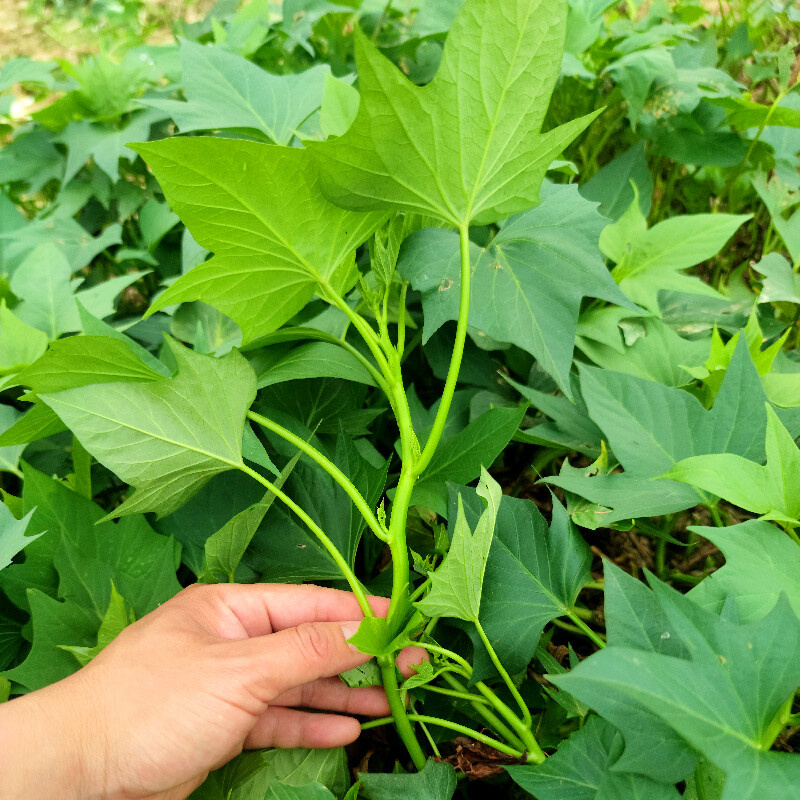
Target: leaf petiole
350,576
329,467
453,726
455,360
526,714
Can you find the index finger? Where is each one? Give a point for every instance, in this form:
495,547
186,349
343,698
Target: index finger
264,608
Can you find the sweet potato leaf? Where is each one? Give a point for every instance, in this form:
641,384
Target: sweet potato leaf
723,697
259,209
527,287
651,427
224,90
533,574
436,781
13,539
468,146
761,563
457,584
769,490
583,769
459,458
166,438
649,261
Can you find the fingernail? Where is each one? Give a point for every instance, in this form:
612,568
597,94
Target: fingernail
349,630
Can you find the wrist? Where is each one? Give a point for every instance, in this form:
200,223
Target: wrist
47,745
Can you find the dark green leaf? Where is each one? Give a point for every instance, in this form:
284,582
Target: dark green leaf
436,781
528,286
583,769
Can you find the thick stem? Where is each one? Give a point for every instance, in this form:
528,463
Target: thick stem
329,467
399,716
350,576
397,539
455,360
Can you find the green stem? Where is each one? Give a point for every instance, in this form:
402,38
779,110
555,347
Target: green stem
595,585
494,722
401,719
397,539
526,714
715,516
459,695
350,576
455,360
329,467
453,726
368,334
586,630
401,322
419,591
683,577
443,651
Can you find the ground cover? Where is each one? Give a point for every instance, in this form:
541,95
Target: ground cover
490,307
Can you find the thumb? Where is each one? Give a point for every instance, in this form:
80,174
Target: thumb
292,657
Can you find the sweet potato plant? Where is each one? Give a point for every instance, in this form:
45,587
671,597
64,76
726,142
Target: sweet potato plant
401,282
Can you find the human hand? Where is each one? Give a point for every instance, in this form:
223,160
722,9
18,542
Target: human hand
183,690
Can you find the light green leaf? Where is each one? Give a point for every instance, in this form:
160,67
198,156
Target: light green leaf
761,563
743,113
528,286
466,147
339,106
308,791
315,360
116,619
9,456
259,208
583,769
782,204
79,361
165,438
84,360
457,584
20,344
435,781
460,458
224,90
253,450
368,674
649,261
12,535
297,767
780,281
43,285
770,490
